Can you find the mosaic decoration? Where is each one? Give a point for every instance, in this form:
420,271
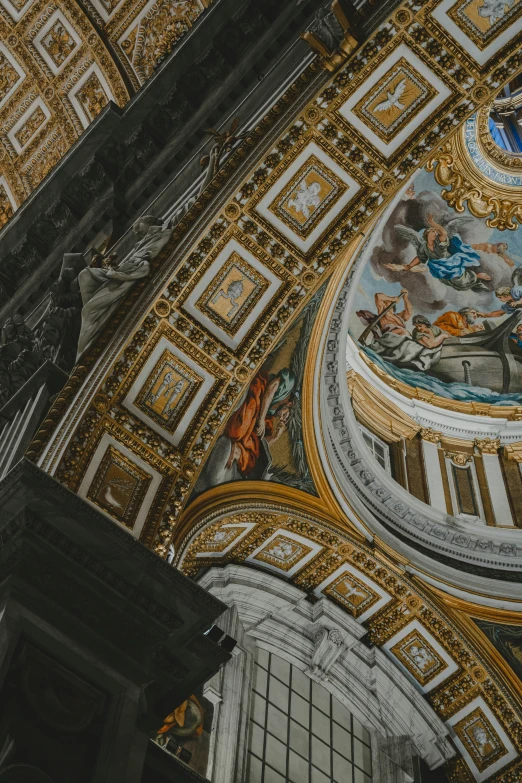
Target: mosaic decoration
395,100
418,657
169,390
233,294
283,552
438,301
309,194
485,20
263,437
119,487
480,739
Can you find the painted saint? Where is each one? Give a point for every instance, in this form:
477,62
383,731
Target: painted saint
441,251
243,451
437,300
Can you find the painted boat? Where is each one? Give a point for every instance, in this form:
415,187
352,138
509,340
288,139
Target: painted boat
489,359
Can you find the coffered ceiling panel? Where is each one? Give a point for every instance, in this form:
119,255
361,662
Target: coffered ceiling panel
60,65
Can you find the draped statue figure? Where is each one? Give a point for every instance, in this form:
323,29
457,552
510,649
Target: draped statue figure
103,288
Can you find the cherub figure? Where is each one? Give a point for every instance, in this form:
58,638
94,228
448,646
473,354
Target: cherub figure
441,250
305,198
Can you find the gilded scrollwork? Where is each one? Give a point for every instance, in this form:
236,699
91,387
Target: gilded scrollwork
478,174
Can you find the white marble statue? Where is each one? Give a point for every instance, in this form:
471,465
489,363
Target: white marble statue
103,289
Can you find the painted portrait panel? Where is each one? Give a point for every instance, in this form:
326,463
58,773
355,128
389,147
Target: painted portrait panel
438,300
262,440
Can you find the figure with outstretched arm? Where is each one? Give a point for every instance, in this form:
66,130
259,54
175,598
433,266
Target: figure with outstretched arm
426,333
266,402
268,396
495,248
441,251
393,321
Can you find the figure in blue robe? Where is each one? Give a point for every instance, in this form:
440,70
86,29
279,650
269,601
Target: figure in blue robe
441,251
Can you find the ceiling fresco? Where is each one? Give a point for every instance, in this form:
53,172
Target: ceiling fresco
438,303
197,384
307,202
263,438
61,64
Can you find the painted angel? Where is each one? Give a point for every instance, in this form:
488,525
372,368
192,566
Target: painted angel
441,251
393,98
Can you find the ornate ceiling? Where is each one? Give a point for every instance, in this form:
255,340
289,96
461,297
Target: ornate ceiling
217,370
60,65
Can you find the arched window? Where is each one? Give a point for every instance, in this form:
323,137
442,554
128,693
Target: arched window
299,731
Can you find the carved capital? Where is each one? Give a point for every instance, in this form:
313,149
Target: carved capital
431,435
458,458
487,445
328,646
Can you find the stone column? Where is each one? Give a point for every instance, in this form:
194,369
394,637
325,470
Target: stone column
496,486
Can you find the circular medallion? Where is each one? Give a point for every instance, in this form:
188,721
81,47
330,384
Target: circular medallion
308,278
241,372
312,115
101,403
232,211
162,308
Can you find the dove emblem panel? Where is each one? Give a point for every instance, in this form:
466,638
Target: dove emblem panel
421,656
395,100
392,101
120,484
482,27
